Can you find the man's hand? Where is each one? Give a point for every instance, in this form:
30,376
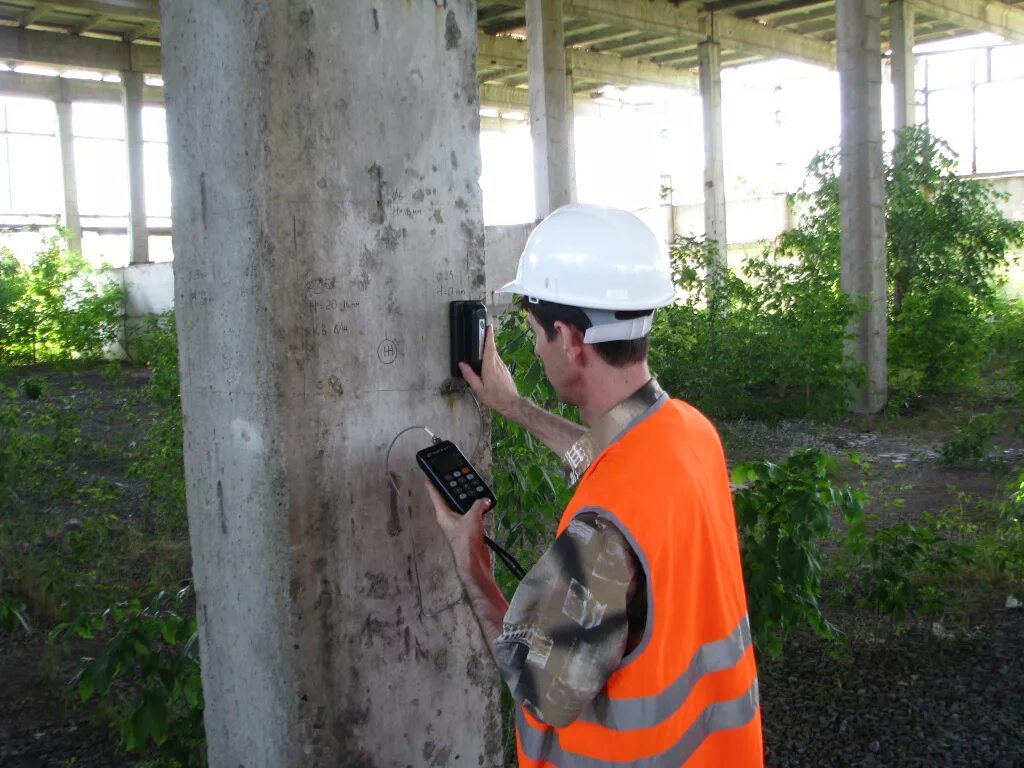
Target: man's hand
465,533
495,387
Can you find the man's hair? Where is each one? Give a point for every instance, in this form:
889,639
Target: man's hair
615,353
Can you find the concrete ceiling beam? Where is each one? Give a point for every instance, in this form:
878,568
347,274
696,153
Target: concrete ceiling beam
47,48
511,53
68,89
688,23
142,10
994,16
33,15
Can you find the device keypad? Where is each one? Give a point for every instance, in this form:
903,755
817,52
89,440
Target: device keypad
464,485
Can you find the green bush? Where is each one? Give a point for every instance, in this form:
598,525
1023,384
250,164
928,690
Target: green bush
50,310
782,512
147,676
160,458
905,567
970,442
768,343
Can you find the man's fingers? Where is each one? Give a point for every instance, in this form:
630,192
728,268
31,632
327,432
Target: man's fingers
480,506
470,376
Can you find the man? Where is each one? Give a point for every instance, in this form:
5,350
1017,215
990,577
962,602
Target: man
628,642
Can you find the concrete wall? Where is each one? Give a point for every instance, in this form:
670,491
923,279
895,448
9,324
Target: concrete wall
150,287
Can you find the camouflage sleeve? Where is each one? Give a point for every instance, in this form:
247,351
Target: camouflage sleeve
566,627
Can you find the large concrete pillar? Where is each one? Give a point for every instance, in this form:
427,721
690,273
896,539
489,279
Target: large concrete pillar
72,219
710,66
862,190
901,33
551,116
324,159
132,84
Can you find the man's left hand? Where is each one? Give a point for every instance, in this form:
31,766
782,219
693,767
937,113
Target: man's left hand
465,533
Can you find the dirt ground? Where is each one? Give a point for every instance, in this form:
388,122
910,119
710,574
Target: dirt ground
811,716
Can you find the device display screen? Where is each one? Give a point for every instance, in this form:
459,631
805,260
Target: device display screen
447,462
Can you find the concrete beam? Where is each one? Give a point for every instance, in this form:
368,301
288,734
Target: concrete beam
91,23
321,226
993,16
686,22
862,193
142,10
72,219
138,227
714,165
27,46
511,53
33,15
551,116
65,88
901,40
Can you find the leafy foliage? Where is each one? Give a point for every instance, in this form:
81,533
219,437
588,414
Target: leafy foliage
766,342
769,342
51,310
904,567
160,458
527,477
947,246
148,676
782,511
970,442
12,612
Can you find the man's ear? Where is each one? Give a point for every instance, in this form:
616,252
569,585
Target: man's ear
571,340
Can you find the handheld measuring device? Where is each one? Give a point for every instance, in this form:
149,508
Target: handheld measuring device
452,474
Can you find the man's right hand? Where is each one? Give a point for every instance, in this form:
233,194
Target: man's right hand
495,387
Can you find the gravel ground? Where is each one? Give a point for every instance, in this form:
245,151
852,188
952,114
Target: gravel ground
906,698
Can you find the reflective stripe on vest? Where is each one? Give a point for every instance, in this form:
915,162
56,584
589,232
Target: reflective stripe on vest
720,716
648,711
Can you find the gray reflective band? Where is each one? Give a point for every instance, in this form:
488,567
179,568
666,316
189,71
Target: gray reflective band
722,715
648,711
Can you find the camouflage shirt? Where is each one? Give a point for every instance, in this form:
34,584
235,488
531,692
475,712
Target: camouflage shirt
578,611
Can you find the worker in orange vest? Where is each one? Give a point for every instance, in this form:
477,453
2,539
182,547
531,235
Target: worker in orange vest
628,643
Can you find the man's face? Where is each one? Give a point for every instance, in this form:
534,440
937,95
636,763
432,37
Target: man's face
559,370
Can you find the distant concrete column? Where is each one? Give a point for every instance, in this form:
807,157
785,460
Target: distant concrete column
901,33
72,220
138,231
551,113
325,160
710,61
862,190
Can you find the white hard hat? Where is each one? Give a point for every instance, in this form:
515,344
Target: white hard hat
596,258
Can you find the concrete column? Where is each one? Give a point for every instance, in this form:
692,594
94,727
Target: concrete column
325,159
138,231
901,33
554,166
72,220
710,66
862,190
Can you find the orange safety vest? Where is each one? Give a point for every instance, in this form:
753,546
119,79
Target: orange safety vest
687,694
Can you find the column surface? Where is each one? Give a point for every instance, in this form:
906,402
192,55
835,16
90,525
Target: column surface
862,191
709,57
324,160
551,109
138,230
72,219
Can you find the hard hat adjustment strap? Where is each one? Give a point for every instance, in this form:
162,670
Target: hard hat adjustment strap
615,330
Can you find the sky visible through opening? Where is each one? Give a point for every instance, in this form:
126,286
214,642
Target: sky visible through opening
635,149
